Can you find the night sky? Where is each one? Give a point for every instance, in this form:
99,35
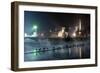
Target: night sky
49,20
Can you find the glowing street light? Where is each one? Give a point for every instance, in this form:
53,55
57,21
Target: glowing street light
34,27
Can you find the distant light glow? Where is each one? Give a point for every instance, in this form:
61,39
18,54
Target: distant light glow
25,35
34,34
79,24
34,50
79,33
34,27
61,32
74,34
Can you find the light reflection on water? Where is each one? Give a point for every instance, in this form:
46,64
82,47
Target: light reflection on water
34,50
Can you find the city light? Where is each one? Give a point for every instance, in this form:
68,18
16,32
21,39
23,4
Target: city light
61,32
34,34
25,35
79,33
79,24
74,34
34,27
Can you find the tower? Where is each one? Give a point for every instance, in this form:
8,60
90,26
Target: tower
79,29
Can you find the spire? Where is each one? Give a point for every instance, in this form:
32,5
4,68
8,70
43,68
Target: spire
79,24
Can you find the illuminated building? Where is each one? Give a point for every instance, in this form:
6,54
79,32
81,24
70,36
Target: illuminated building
79,29
61,32
34,32
77,32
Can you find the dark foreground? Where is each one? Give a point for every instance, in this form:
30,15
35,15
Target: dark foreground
36,49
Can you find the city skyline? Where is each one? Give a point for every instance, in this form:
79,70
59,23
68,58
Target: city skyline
46,22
